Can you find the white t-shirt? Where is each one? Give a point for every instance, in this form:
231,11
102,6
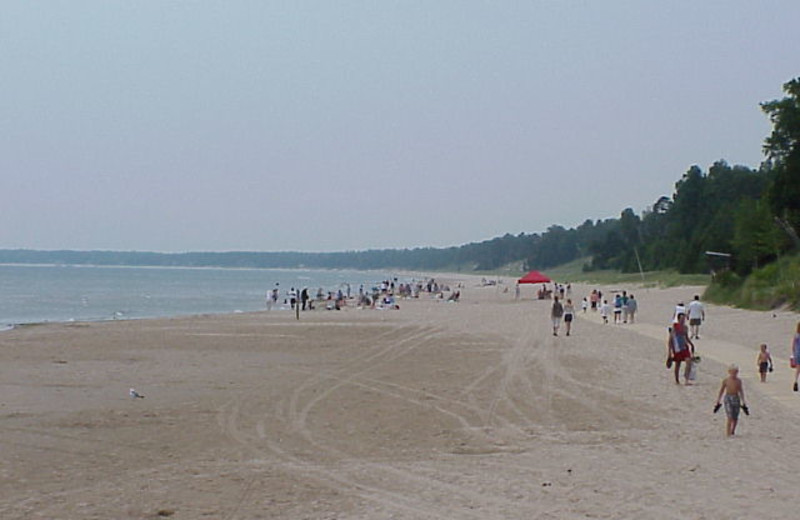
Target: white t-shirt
695,310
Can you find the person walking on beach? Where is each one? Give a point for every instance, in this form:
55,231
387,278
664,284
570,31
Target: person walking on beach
680,348
624,306
556,312
697,314
796,355
605,308
679,309
734,399
764,362
569,314
632,307
304,297
516,291
617,309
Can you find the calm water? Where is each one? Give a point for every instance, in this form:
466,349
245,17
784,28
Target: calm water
32,294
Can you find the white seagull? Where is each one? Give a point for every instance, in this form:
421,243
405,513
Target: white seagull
134,394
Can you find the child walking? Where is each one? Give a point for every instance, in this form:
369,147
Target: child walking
605,309
734,399
764,362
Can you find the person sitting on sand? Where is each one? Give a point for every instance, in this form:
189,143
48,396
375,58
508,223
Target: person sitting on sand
680,345
764,362
734,399
556,312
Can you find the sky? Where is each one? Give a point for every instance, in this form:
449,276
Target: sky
347,125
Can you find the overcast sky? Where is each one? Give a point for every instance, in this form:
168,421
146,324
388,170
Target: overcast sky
340,125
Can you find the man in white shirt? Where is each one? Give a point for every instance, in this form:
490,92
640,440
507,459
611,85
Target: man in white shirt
697,315
679,309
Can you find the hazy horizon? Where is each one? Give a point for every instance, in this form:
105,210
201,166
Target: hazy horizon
348,126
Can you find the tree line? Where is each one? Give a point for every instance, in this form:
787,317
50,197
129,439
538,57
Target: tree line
555,246
750,214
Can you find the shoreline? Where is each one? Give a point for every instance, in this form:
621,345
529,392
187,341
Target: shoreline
102,299
6,326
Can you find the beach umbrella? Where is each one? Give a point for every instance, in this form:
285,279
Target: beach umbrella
534,277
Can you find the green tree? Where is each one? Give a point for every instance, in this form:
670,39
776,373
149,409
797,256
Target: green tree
756,238
782,147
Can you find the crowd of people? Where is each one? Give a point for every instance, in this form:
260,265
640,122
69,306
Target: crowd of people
382,295
622,309
684,329
619,308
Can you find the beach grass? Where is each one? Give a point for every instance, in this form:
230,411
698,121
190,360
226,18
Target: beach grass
573,272
772,286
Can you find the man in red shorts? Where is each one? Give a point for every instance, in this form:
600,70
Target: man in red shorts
681,347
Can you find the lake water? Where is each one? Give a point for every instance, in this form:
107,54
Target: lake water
34,294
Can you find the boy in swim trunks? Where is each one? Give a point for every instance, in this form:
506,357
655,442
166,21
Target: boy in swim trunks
734,399
764,362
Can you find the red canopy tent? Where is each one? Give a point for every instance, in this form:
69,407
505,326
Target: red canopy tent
534,277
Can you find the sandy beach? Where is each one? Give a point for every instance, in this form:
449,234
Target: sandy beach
468,410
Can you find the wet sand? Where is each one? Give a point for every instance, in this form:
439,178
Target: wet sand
469,410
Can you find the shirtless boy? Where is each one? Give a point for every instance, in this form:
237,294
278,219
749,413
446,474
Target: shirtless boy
734,399
764,362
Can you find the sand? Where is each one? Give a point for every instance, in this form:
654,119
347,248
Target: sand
469,410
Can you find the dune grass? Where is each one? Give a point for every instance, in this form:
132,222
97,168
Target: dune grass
573,272
772,286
